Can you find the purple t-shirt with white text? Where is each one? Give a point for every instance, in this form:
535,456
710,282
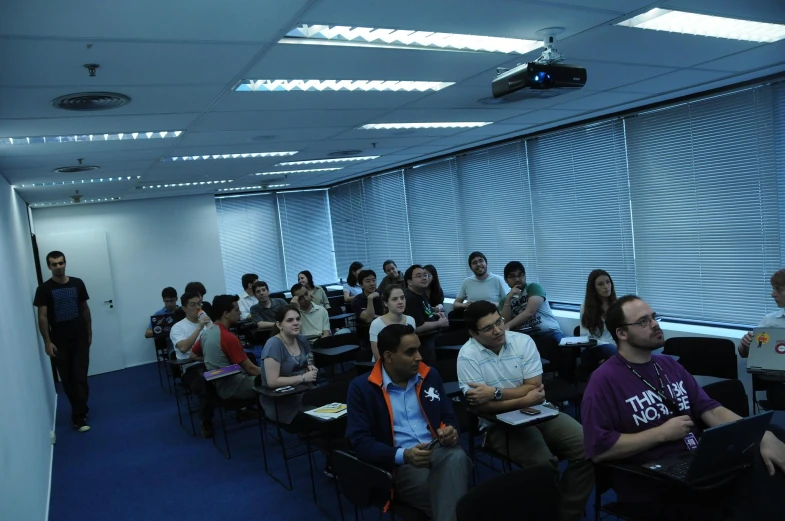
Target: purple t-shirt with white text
617,402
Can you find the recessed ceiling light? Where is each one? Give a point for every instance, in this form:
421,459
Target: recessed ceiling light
189,184
706,25
258,187
229,156
398,126
405,39
309,170
90,138
80,181
58,203
335,160
340,85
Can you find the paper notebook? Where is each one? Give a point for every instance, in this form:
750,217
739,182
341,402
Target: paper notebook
329,411
518,418
222,372
574,340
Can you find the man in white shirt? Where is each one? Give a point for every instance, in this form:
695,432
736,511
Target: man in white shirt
248,299
184,335
483,286
314,319
775,391
501,371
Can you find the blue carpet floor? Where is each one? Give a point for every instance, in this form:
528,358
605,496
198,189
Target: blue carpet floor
138,464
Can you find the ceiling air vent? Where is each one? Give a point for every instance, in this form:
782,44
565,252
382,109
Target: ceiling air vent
344,153
87,101
75,169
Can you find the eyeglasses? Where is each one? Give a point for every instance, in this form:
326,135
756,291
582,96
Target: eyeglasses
645,321
420,276
194,305
487,329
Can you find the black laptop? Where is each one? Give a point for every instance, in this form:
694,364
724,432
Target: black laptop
161,325
721,451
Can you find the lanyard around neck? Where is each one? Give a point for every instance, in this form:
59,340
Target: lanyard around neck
669,403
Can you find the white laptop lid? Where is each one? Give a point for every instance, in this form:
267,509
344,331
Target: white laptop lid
767,350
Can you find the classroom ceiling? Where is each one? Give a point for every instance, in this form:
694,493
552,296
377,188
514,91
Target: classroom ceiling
180,60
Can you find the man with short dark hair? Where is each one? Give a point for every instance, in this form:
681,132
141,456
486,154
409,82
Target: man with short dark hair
392,275
66,328
368,304
264,312
525,306
429,321
193,288
169,296
484,285
396,412
248,299
641,407
221,348
501,371
314,319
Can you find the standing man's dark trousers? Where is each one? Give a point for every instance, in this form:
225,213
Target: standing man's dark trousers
73,360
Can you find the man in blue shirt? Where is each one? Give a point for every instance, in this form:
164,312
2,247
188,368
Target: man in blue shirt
169,296
399,410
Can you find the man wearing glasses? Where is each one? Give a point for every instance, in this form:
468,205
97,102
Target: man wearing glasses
501,371
640,407
169,296
429,320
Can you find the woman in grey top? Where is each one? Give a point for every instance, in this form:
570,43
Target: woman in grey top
285,362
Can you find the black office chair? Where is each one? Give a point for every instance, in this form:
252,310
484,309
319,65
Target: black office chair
731,395
331,350
240,407
365,485
705,356
533,493
455,317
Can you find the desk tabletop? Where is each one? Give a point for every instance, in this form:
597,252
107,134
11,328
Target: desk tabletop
334,351
341,316
272,393
178,361
449,348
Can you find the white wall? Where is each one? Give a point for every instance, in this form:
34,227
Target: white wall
153,243
28,404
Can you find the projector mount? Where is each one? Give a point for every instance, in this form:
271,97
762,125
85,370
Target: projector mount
550,54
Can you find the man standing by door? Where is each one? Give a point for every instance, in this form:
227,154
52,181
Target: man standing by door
65,325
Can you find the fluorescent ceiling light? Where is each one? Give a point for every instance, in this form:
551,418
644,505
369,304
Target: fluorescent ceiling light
191,184
80,181
399,126
405,39
58,203
230,156
259,187
308,170
706,25
332,160
340,85
89,138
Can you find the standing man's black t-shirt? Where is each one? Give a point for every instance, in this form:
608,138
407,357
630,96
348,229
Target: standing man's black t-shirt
63,307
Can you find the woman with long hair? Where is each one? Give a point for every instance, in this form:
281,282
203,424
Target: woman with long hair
395,301
434,290
285,362
600,295
352,287
319,295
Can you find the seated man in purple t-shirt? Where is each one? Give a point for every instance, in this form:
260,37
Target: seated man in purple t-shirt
640,407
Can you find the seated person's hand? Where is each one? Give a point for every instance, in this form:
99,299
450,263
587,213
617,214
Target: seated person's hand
310,376
744,345
676,428
193,356
418,456
448,436
536,396
443,322
479,394
773,452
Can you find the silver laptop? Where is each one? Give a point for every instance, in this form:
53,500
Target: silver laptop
767,352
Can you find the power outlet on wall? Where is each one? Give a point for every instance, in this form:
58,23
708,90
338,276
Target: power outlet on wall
52,437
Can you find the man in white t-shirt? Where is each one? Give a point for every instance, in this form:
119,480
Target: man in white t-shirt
484,285
314,319
247,298
184,335
501,371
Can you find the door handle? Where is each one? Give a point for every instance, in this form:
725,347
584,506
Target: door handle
110,303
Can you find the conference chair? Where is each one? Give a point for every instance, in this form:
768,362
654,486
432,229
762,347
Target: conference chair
705,356
336,349
731,395
531,493
366,485
455,317
239,407
449,343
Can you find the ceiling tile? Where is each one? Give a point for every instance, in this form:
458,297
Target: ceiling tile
244,137
759,10
762,56
269,121
674,81
260,101
601,100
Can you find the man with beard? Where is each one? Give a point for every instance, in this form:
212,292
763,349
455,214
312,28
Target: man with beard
525,305
640,407
483,286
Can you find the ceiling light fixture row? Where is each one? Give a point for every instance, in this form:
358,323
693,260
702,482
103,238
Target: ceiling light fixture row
305,171
229,156
329,160
446,124
192,183
87,138
259,187
96,200
340,85
79,182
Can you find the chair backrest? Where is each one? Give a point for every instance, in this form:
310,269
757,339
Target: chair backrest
336,305
333,292
731,394
324,394
455,317
279,294
455,337
337,341
531,492
705,356
448,369
576,331
361,483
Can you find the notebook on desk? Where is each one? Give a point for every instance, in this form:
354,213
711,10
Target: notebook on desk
222,372
767,352
516,417
162,325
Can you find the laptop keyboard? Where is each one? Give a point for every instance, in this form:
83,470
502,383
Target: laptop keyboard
676,470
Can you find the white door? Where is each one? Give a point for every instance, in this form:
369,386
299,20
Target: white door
87,258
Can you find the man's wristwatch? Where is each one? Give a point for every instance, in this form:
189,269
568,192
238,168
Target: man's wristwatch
497,394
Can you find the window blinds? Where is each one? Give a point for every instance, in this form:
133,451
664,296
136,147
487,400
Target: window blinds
347,216
386,221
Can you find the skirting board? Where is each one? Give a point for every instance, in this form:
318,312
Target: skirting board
51,463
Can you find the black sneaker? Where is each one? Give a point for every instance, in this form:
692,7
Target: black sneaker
81,425
328,471
207,430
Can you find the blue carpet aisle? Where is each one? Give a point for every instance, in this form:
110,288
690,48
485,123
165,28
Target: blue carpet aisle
137,464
